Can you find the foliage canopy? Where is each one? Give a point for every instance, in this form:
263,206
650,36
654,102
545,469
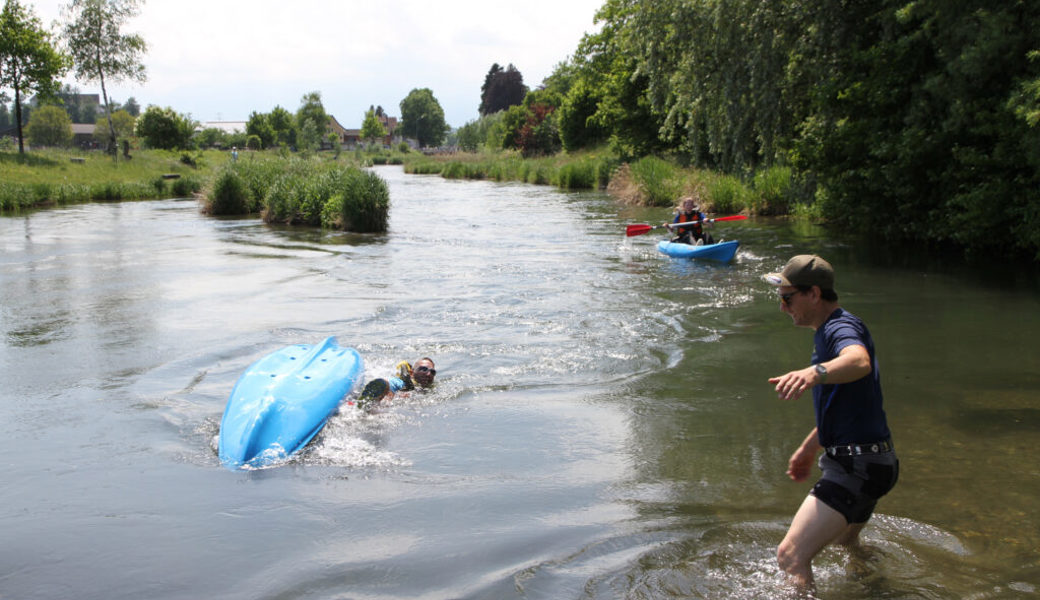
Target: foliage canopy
50,126
165,129
423,118
502,88
29,61
100,51
917,121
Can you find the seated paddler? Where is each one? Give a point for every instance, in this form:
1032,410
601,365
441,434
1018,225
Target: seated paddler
688,224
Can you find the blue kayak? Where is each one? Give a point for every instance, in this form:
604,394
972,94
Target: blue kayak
283,400
722,251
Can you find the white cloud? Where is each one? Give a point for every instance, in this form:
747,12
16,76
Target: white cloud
226,58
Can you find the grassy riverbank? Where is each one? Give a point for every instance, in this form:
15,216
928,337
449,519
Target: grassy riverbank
58,177
53,177
649,181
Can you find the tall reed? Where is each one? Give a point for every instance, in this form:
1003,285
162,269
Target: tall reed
658,179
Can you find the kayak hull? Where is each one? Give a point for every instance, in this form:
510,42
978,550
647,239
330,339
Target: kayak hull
722,251
283,400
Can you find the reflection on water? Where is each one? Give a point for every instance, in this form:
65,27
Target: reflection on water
601,427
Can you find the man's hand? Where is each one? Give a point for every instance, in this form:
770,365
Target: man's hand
792,385
800,465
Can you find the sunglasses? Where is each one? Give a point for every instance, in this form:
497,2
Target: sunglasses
425,369
786,298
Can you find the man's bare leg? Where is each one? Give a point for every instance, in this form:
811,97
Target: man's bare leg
815,525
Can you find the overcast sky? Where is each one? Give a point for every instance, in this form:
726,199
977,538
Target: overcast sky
222,59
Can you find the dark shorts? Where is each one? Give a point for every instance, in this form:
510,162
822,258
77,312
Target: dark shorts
852,485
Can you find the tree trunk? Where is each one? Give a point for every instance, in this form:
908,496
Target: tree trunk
108,114
18,118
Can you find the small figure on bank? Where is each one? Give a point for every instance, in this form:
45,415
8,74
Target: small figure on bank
859,463
234,153
694,234
406,380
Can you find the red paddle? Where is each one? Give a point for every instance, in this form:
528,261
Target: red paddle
640,229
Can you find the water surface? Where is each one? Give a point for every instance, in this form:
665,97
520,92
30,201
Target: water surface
602,426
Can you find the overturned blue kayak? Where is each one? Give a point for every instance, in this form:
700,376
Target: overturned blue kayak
722,251
283,400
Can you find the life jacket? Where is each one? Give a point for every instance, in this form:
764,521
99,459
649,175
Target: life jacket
404,372
696,217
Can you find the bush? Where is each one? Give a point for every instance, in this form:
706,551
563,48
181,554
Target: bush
657,179
229,195
361,203
325,194
49,126
185,186
280,201
164,128
773,190
728,195
575,176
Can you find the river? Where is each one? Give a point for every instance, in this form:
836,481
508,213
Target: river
602,426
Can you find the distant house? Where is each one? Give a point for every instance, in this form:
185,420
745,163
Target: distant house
83,135
82,108
228,127
351,138
390,123
347,137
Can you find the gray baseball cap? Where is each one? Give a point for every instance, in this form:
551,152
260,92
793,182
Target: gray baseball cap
804,270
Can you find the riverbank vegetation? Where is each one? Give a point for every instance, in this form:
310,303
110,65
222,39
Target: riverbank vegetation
646,181
318,189
301,191
913,122
908,121
582,170
50,177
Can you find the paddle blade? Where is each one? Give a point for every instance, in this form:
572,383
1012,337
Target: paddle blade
639,229
733,218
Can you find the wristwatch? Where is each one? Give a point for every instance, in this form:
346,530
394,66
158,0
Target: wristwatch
822,372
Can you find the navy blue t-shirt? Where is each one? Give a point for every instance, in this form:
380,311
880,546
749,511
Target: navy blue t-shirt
848,413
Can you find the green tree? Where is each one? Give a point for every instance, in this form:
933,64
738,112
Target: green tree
259,124
50,126
607,66
100,51
309,137
312,111
70,100
123,123
502,88
484,132
372,128
131,107
422,118
28,60
211,137
281,121
165,129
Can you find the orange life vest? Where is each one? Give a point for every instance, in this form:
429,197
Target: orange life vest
696,217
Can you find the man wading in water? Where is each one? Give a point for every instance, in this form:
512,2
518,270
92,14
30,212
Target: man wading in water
859,463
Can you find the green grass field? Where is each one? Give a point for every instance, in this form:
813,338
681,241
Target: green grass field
57,177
